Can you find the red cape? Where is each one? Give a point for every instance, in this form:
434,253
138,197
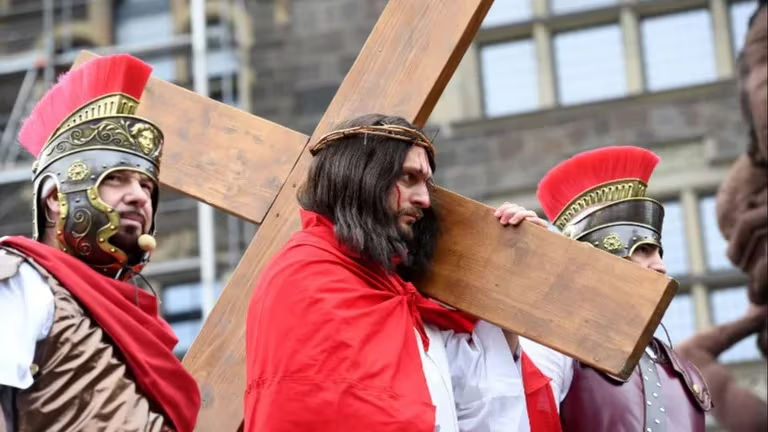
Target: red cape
143,337
330,343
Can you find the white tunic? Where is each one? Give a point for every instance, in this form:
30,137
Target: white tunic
26,316
474,381
554,365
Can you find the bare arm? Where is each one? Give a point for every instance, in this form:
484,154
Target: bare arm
736,408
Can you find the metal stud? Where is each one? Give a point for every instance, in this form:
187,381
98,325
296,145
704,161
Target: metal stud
656,421
655,395
650,369
648,430
111,227
645,377
658,384
662,409
649,403
112,250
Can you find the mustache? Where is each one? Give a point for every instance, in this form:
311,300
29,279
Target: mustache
414,212
132,214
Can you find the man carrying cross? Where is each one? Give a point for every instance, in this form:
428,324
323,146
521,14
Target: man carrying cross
82,349
338,338
598,197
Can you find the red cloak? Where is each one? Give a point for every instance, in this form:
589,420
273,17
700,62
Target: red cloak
330,343
143,337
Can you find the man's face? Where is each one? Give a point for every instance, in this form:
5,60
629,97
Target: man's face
648,256
755,84
130,194
411,192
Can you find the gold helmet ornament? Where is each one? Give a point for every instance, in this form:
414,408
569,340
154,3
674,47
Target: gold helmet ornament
598,197
82,130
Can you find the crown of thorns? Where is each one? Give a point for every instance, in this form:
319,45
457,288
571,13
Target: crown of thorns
390,131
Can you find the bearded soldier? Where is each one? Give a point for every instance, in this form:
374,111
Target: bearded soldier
82,349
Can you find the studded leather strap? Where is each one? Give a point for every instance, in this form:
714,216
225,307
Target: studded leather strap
655,412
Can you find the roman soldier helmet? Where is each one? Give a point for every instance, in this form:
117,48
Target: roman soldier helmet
598,197
82,130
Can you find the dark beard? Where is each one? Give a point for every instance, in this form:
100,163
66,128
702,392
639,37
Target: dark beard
127,240
421,243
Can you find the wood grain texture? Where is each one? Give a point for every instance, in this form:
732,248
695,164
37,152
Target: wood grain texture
564,294
568,295
216,153
402,70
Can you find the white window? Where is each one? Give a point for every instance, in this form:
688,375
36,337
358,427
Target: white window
739,13
505,12
715,246
673,239
590,64
568,6
510,78
728,305
678,50
679,320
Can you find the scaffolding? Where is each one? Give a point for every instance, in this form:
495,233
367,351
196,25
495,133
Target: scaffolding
38,67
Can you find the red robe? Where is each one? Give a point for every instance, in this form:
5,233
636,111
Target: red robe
142,336
330,343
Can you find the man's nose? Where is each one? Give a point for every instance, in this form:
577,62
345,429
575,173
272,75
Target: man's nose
656,263
135,194
420,197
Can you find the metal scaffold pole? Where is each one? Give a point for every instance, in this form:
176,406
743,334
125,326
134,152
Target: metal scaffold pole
205,215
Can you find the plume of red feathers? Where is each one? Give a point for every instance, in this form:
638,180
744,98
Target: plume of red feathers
101,76
586,170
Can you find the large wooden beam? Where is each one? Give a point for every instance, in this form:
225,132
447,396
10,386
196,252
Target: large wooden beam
403,68
216,153
564,294
568,295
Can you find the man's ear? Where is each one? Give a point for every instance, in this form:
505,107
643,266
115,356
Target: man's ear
52,203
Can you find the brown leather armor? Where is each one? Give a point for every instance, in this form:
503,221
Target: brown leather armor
664,394
81,380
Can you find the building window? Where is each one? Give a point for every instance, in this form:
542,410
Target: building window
147,21
505,12
182,308
739,14
674,240
186,332
715,246
728,305
143,21
678,49
510,78
678,320
182,298
586,74
568,6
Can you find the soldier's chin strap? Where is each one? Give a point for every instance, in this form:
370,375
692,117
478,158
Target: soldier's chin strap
666,333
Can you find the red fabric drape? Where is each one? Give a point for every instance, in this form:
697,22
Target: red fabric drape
143,337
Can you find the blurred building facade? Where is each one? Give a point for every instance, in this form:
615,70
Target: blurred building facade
544,79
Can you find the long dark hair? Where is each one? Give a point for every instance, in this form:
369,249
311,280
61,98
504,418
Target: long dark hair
349,182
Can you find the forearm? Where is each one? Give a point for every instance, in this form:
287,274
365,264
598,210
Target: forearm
716,340
740,410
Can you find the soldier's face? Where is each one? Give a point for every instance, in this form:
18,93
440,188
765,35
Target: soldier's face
649,256
130,194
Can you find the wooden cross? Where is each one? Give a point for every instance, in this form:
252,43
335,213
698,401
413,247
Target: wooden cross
564,294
